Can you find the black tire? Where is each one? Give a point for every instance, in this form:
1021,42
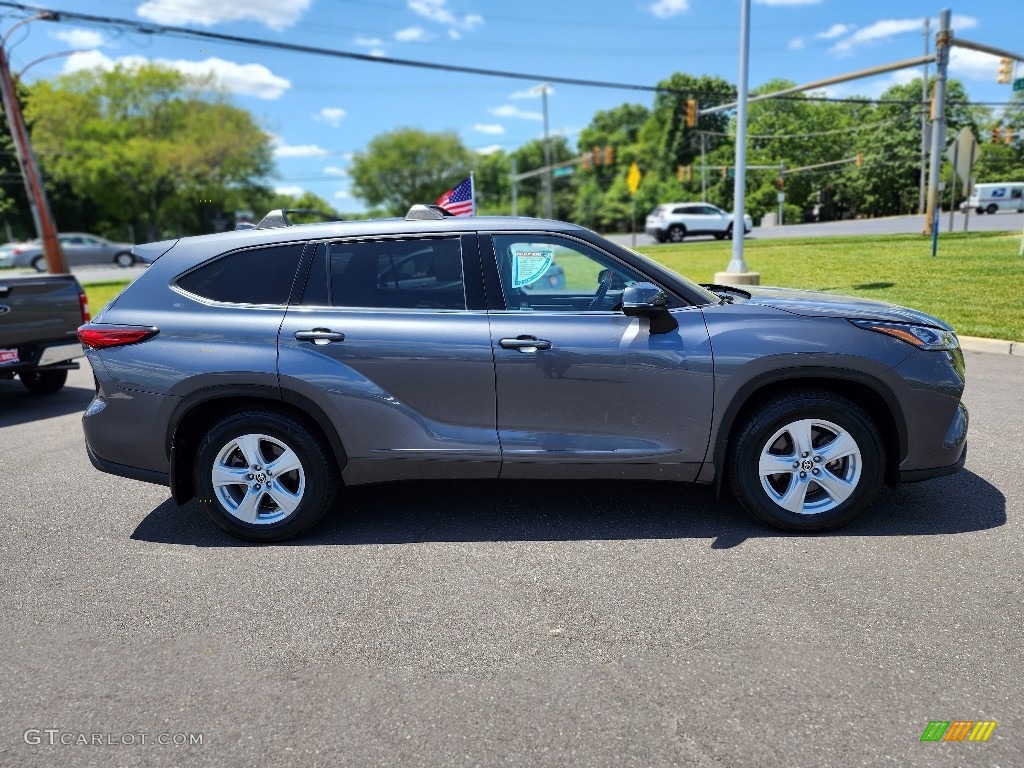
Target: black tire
39,263
860,476
992,208
677,233
316,479
719,235
979,211
43,382
728,232
661,237
124,259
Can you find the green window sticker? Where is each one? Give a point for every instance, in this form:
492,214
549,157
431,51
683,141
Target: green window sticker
529,262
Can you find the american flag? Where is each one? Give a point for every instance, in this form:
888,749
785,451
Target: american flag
459,199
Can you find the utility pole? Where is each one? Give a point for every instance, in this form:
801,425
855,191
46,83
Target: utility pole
515,190
39,205
782,181
548,209
703,169
942,44
924,118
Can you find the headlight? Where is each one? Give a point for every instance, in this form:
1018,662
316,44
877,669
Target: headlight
921,336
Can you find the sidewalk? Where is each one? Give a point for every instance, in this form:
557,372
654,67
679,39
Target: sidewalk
998,346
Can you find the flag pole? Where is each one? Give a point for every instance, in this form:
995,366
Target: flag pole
472,191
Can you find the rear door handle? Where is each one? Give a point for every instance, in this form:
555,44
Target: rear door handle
525,343
319,336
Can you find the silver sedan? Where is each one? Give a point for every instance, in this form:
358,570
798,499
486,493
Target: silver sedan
79,248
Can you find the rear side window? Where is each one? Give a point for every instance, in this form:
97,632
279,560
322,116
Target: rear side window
254,276
397,274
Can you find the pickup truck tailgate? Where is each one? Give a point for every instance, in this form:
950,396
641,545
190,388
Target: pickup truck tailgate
39,309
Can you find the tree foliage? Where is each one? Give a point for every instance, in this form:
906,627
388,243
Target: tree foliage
408,166
151,147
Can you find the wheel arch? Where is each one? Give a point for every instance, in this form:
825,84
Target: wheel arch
871,395
197,412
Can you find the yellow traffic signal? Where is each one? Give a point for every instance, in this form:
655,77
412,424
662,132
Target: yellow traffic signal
1008,136
609,155
597,155
679,174
995,135
586,161
691,113
860,159
1005,70
725,171
689,173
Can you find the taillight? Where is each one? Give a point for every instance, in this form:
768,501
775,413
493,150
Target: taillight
83,302
99,336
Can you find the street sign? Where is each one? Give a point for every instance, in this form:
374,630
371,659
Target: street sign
1018,84
963,152
567,171
633,178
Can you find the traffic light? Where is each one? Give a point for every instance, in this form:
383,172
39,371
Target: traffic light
586,162
782,183
681,174
1005,70
597,155
609,155
725,171
860,159
691,113
1008,136
684,173
995,135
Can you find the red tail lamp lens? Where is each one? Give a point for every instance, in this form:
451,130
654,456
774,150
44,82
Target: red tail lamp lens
106,336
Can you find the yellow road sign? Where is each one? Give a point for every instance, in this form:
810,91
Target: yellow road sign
633,178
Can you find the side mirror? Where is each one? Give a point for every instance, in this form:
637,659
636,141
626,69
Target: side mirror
643,300
648,300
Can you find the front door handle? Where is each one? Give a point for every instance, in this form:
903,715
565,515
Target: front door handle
319,336
525,343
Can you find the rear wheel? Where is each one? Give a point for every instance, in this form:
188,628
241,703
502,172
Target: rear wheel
263,476
677,233
39,263
728,232
124,259
43,382
992,208
807,461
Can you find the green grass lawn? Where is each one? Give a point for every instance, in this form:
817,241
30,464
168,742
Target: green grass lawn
974,283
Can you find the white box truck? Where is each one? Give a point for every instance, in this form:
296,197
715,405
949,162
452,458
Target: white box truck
995,197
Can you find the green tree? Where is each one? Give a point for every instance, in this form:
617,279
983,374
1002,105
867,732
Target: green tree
408,166
147,145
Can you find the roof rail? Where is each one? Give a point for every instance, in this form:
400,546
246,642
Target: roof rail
421,212
279,218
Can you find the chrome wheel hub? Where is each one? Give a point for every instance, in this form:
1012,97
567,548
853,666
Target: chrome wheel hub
258,479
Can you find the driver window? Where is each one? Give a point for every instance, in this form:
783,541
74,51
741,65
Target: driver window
550,274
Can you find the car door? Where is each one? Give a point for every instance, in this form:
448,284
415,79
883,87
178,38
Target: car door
74,249
391,341
582,389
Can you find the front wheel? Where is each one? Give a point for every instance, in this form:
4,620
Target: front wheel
124,259
807,461
263,476
43,382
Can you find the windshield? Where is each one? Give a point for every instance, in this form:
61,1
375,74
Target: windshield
660,271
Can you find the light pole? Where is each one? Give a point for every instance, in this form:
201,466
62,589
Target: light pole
548,209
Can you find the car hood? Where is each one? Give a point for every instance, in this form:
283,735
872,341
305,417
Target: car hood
817,304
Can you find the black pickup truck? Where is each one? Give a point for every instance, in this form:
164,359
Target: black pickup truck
39,318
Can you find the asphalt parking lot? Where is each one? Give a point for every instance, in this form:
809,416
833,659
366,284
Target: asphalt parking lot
514,623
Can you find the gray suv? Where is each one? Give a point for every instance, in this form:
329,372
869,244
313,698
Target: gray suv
260,371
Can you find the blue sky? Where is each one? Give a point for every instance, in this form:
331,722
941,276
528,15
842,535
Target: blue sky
321,110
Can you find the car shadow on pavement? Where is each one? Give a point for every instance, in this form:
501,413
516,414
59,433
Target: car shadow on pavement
451,511
19,406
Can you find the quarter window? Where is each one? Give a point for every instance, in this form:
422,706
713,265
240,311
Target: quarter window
397,274
254,276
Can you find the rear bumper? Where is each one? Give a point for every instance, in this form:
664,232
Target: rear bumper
123,470
917,475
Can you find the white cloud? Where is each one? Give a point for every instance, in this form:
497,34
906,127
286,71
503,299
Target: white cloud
532,93
348,155
80,38
973,65
378,52
509,110
412,35
438,12
206,13
489,150
787,2
795,44
246,79
281,149
836,30
331,115
291,191
886,29
665,9
333,170
368,42
489,128
342,194
454,34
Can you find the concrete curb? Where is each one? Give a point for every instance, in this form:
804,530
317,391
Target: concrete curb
996,346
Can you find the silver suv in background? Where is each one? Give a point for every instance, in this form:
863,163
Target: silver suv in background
262,371
673,222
